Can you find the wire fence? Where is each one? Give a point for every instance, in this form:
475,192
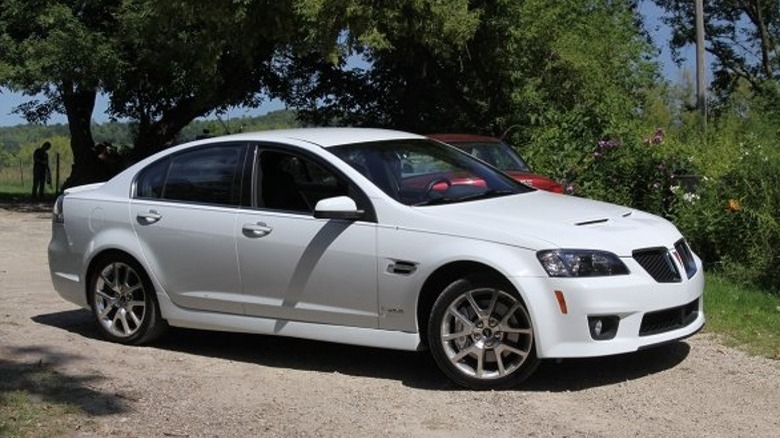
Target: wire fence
16,174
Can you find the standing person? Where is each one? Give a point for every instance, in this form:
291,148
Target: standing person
41,171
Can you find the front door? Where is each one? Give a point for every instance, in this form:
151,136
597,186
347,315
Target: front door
295,267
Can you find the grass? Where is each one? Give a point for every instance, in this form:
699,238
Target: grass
35,401
744,317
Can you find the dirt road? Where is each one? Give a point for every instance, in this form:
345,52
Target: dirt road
196,383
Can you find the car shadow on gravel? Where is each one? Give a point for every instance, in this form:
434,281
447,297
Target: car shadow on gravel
413,369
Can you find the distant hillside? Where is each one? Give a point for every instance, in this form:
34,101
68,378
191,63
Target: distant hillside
12,138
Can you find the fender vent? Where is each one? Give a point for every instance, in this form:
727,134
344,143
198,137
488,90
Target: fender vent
401,267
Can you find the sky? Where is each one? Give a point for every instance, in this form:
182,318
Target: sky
659,31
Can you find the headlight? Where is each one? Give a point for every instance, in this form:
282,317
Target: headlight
580,263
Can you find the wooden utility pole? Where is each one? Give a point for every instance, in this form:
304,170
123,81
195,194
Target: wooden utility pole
701,86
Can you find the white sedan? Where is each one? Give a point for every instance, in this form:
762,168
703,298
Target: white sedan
371,237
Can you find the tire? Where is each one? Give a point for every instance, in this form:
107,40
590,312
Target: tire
480,334
123,301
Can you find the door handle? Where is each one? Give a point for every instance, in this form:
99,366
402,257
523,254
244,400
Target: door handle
259,229
148,218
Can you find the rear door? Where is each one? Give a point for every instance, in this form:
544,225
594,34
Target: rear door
184,213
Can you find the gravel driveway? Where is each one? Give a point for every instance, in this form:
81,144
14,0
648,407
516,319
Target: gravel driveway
195,383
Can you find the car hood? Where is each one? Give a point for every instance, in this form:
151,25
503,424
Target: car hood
542,220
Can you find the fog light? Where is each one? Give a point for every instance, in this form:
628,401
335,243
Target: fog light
603,328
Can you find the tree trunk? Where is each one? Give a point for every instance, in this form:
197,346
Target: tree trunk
79,104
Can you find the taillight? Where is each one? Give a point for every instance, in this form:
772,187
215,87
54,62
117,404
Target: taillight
57,215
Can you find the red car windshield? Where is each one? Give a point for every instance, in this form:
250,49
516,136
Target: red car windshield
424,172
495,153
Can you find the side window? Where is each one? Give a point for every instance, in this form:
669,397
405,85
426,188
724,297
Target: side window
209,175
151,181
294,183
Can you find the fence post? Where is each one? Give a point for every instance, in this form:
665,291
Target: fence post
21,172
57,179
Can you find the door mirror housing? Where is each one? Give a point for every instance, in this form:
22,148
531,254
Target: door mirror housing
339,207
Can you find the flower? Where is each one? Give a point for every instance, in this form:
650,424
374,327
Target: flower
690,197
656,138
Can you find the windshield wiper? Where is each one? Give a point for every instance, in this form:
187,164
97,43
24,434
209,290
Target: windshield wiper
493,193
436,201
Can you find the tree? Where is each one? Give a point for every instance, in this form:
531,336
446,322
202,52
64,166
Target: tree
162,63
184,59
528,63
58,49
742,36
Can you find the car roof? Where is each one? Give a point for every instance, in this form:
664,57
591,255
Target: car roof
457,138
325,137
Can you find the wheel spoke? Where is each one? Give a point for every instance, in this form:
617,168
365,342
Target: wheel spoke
453,336
480,362
105,296
492,305
135,319
478,310
115,271
128,272
509,314
121,315
106,310
521,331
463,353
461,317
504,347
500,362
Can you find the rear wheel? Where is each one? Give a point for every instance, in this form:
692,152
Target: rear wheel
480,334
123,301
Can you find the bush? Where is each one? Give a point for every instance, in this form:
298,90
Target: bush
732,220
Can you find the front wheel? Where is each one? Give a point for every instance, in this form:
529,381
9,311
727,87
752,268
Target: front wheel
123,301
481,336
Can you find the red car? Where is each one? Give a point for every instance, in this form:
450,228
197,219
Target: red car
499,154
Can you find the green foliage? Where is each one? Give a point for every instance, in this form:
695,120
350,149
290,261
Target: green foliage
528,63
733,220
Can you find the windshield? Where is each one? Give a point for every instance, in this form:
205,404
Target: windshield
425,172
495,153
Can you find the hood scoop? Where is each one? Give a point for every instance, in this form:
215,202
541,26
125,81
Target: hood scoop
592,222
600,220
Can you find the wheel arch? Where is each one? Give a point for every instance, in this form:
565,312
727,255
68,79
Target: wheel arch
443,276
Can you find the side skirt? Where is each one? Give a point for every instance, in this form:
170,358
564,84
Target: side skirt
196,319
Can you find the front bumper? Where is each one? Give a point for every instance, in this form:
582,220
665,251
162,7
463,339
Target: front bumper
647,313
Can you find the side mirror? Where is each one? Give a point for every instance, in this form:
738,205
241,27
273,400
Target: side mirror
340,207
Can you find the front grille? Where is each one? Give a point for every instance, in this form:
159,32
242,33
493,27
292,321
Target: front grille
658,262
686,257
666,320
